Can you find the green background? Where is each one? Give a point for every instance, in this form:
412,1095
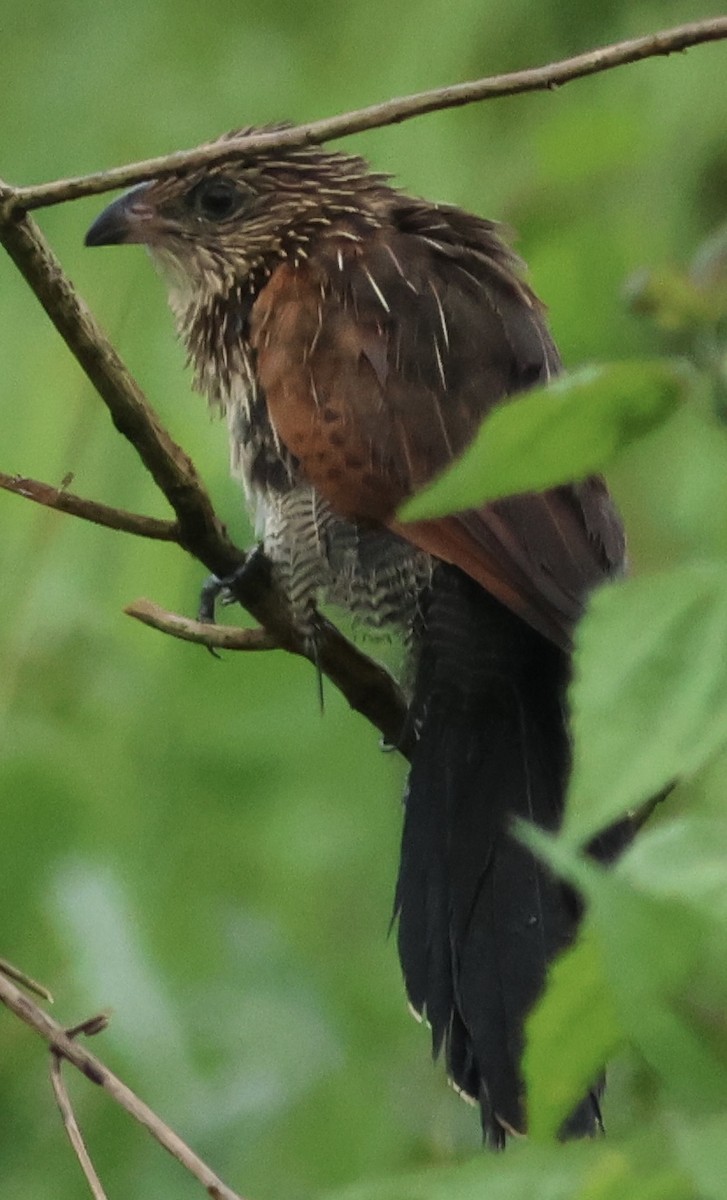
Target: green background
185,841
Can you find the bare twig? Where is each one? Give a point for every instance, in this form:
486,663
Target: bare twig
7,968
89,1028
90,510
72,1128
368,687
392,112
63,1045
217,637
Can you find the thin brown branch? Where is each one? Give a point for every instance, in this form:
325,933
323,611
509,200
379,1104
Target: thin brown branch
88,1028
368,687
172,470
64,1045
216,637
90,510
545,78
32,985
72,1128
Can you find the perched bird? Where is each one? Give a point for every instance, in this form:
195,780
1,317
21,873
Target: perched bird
356,337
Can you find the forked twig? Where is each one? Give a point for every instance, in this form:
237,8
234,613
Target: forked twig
62,1043
68,1116
368,687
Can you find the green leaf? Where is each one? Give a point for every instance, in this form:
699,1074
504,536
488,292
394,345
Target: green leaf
661,956
649,696
571,1034
684,858
574,427
653,959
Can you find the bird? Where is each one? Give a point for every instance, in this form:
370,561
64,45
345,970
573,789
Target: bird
356,337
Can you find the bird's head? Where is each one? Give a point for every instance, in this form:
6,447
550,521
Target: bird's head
223,228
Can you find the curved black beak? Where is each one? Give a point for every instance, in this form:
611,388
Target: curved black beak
122,221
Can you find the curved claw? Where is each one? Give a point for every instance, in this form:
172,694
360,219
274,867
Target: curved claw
215,589
208,597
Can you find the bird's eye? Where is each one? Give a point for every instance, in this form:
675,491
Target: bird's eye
216,199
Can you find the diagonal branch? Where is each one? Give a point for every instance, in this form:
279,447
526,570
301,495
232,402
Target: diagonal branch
392,112
90,510
171,469
26,981
368,687
62,1044
68,1116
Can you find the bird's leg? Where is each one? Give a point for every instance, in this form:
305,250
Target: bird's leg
256,568
215,589
210,593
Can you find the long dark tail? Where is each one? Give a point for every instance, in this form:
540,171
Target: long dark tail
479,918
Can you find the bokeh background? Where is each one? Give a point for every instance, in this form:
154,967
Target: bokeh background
189,842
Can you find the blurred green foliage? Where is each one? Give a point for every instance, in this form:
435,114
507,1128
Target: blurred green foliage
188,840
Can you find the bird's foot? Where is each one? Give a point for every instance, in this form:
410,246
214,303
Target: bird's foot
256,570
215,590
212,590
